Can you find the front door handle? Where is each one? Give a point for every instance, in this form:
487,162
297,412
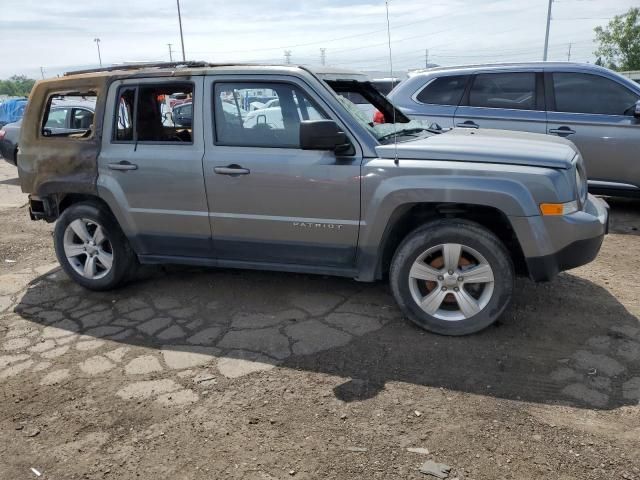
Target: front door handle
562,131
124,165
231,170
468,124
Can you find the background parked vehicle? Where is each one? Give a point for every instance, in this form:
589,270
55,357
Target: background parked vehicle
11,110
9,135
595,108
68,117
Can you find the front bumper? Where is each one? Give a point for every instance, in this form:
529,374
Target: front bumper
587,229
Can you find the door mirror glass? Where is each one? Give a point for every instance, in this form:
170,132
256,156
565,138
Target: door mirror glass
322,135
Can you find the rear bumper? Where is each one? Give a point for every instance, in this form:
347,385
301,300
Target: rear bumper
588,227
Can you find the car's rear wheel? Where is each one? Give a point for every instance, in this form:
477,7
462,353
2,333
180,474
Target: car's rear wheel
452,277
91,247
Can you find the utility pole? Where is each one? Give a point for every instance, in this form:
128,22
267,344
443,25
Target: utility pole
184,58
546,37
42,72
287,57
426,58
97,40
170,52
323,56
569,54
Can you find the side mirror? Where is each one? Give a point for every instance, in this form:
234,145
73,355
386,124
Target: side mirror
322,135
636,110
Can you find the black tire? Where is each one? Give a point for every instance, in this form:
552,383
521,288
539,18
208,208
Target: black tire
124,260
468,234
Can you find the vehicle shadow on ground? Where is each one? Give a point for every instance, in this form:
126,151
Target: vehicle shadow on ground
626,218
10,181
568,342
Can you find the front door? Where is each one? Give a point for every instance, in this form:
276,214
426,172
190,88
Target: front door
150,168
504,100
270,201
596,113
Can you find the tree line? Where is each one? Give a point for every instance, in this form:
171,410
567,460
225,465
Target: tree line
16,86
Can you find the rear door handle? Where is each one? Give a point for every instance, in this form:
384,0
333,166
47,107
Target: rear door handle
124,165
232,170
468,124
562,131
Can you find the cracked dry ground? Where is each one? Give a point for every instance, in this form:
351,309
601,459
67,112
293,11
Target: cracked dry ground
200,373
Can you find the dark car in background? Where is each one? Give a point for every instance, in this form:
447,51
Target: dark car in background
69,118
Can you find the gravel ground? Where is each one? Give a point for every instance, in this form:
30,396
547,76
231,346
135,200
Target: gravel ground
201,373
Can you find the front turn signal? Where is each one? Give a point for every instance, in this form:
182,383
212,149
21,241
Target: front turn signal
550,209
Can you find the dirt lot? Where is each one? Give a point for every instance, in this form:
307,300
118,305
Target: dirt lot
194,373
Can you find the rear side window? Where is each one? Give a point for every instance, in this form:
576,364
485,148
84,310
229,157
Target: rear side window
81,119
504,90
242,120
69,115
154,113
444,91
585,93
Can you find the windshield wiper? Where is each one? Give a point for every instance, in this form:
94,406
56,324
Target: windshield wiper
404,132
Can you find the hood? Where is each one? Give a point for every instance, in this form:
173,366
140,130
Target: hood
487,146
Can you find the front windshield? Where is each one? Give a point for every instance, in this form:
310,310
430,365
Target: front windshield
384,131
368,110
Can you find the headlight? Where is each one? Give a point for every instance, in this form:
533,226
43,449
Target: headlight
581,185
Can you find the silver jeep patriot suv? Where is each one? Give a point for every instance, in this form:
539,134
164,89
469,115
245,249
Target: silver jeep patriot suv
277,168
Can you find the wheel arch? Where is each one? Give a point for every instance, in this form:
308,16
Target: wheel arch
407,217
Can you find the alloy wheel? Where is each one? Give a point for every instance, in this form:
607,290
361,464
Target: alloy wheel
451,282
88,249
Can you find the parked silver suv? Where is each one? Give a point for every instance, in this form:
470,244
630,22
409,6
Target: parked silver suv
595,108
312,186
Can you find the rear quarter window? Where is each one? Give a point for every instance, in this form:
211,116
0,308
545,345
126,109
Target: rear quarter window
69,115
443,90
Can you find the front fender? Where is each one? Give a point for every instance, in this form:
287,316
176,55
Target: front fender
386,197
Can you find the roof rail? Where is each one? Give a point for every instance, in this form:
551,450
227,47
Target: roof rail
138,66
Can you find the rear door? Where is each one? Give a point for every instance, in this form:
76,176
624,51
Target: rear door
150,171
596,113
507,100
270,201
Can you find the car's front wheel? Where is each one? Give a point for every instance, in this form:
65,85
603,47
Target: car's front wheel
452,277
91,247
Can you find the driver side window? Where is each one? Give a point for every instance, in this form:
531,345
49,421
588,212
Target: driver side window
261,114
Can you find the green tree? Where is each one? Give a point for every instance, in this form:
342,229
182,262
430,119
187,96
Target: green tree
16,86
619,42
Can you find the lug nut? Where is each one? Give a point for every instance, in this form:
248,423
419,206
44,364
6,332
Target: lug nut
456,289
450,272
460,279
440,277
444,289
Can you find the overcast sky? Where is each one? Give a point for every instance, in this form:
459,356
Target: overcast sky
58,34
